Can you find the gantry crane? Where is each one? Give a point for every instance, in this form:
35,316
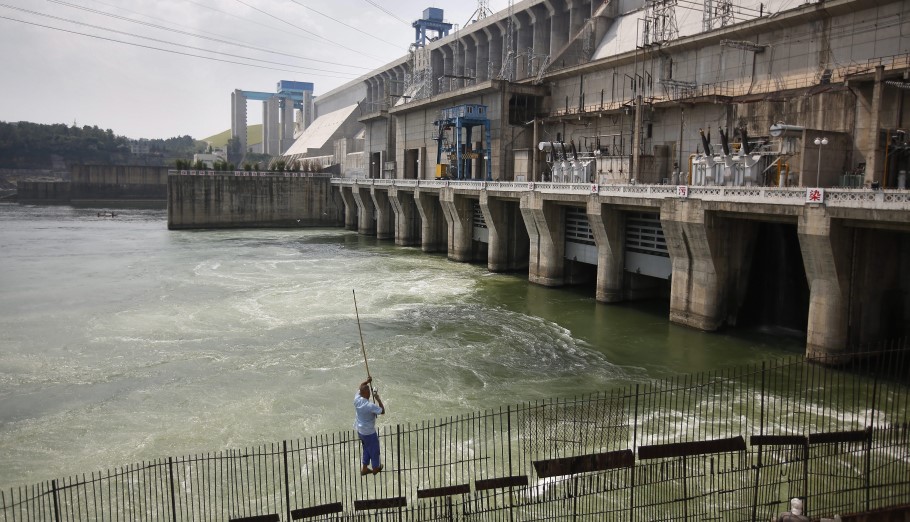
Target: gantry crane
454,159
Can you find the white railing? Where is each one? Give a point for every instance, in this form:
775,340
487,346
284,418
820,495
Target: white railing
250,174
832,197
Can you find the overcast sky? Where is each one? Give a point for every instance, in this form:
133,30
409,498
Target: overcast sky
163,68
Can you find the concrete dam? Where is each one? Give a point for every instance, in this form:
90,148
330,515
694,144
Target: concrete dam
723,256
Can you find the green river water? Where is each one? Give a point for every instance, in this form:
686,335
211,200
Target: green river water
122,341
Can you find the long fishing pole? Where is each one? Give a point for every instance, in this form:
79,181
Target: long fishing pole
363,348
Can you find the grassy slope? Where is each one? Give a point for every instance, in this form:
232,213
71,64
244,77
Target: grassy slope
253,132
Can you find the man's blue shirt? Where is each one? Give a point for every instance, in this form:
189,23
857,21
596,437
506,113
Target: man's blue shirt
366,412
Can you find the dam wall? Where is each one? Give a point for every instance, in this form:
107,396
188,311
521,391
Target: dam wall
43,191
238,200
99,183
127,182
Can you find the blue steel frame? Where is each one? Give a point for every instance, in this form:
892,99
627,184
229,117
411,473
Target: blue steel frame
465,117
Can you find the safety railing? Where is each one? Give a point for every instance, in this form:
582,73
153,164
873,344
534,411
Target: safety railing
250,173
898,199
734,444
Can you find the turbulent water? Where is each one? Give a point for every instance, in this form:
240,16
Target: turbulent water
121,341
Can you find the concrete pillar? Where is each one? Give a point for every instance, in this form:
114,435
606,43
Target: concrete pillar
545,222
371,94
875,166
448,68
366,212
350,208
459,215
407,217
385,217
309,109
437,69
270,127
541,29
609,227
386,82
825,245
458,61
481,55
432,221
698,271
524,40
579,11
287,124
238,118
494,46
470,60
507,245
559,31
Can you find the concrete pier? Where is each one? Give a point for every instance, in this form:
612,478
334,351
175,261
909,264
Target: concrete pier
507,234
826,254
385,217
546,233
459,213
433,232
366,211
697,295
407,217
608,225
700,248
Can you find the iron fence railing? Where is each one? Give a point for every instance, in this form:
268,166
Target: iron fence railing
735,444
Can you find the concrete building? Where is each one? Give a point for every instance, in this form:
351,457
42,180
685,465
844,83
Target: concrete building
279,128
632,93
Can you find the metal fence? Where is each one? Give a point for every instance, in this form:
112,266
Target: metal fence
735,444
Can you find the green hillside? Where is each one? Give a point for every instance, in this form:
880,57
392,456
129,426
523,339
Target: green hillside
253,133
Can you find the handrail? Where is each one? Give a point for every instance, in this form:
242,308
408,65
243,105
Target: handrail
795,196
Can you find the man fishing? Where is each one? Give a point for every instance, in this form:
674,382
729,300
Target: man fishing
365,424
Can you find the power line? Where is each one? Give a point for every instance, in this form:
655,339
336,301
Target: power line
270,27
384,10
308,31
172,43
159,49
194,35
346,25
173,23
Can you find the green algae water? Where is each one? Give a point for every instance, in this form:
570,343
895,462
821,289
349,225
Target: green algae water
122,341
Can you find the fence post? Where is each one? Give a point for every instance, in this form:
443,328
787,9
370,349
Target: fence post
287,480
398,465
634,451
761,431
868,460
170,472
509,447
56,501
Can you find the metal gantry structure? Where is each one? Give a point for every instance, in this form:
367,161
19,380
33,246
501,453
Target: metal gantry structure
453,157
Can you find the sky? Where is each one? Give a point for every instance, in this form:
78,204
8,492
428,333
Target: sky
165,68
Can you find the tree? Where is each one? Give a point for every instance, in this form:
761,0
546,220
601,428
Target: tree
234,151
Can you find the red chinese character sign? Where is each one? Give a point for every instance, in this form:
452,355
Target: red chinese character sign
682,191
815,195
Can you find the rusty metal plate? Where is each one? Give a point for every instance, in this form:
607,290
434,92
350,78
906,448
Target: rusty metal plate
447,491
315,511
585,463
503,482
686,449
